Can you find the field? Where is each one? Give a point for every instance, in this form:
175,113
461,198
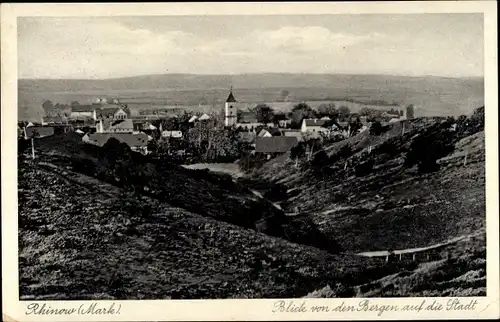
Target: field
431,95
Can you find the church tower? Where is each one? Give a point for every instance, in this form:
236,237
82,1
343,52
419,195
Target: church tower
231,110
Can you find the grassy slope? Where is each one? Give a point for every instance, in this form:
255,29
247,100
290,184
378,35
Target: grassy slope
80,239
391,207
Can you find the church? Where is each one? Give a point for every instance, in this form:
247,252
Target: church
230,110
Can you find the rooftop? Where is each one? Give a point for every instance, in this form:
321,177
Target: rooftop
275,144
132,140
315,122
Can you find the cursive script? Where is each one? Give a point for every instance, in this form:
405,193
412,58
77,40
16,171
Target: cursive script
375,306
93,308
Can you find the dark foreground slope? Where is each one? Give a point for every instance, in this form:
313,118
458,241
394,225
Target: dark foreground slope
80,238
210,195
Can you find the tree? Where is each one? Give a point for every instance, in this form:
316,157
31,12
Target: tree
264,113
48,107
328,110
410,111
366,111
355,126
300,112
427,148
320,161
74,103
344,112
297,152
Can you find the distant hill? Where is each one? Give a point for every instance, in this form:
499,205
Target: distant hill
434,95
265,80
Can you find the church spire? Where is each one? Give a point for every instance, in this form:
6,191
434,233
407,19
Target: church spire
230,98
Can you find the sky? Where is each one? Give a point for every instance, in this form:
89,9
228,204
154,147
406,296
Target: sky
448,45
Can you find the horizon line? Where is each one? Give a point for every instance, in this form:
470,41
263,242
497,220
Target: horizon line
258,73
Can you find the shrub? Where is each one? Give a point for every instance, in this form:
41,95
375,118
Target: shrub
376,128
426,149
320,162
344,152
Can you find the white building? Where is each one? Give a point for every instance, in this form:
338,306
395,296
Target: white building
230,110
314,126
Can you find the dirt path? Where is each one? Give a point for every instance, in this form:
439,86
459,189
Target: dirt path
384,253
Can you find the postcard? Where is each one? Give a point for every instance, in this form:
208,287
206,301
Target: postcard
249,161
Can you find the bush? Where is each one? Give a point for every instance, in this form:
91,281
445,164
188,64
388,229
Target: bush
344,152
426,149
320,160
376,128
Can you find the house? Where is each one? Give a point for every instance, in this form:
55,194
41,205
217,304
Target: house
204,117
284,123
38,131
171,134
264,133
136,142
83,111
293,133
113,126
115,113
193,119
313,125
326,118
274,145
46,120
149,127
124,126
248,126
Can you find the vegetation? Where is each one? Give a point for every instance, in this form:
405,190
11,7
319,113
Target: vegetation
300,112
264,113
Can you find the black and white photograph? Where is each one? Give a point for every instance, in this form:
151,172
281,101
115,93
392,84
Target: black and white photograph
202,157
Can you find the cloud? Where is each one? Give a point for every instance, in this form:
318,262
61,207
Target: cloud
290,40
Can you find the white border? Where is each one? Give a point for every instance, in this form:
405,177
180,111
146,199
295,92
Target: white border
231,310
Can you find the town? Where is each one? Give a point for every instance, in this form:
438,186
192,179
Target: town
224,135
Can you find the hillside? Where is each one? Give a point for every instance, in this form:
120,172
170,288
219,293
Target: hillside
80,238
211,195
392,206
432,95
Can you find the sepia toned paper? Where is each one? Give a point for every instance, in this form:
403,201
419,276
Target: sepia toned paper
18,62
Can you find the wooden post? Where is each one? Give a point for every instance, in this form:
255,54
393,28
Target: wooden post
465,159
33,147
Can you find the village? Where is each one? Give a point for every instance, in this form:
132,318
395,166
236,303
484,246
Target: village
224,135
